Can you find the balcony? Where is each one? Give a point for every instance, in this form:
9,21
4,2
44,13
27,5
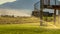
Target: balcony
51,4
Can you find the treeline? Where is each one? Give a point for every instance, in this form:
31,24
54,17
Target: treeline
7,16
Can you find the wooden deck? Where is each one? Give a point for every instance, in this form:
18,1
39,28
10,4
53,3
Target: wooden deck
52,7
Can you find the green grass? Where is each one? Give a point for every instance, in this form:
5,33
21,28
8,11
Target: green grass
19,29
51,31
26,29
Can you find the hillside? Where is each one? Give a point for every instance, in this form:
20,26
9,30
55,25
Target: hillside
14,12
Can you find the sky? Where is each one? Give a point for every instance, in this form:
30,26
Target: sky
26,5
4,1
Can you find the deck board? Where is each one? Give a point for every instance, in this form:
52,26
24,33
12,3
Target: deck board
52,7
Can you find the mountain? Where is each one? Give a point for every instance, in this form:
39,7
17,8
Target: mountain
13,12
19,4
18,7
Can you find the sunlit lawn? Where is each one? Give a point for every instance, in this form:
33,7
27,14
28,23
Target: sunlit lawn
32,28
19,29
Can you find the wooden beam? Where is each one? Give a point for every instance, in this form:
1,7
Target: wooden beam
48,2
59,17
54,16
41,12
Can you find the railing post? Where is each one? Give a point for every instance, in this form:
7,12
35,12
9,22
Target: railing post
54,16
55,13
41,12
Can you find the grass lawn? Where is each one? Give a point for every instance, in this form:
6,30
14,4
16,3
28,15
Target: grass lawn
19,29
33,28
29,25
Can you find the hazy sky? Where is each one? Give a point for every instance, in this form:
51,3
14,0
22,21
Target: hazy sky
4,1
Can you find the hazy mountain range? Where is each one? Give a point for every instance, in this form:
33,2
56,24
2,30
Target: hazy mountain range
18,7
19,4
14,12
